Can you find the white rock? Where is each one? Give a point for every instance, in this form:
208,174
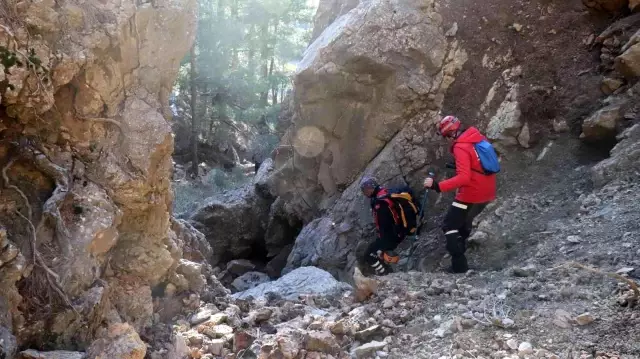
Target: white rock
525,348
366,350
625,270
216,346
574,239
512,344
387,303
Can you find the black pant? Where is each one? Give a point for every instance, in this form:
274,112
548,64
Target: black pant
372,258
457,227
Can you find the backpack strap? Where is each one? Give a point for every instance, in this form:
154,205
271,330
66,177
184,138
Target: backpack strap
390,204
477,157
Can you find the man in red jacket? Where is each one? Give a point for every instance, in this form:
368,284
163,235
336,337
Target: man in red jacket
475,189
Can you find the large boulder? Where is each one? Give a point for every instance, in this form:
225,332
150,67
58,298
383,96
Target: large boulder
234,222
613,6
328,11
372,71
8,343
305,280
603,125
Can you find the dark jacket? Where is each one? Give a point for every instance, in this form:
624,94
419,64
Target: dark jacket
383,217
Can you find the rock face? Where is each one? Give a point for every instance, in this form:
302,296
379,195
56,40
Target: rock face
305,280
602,125
372,71
234,222
327,12
624,161
88,146
248,221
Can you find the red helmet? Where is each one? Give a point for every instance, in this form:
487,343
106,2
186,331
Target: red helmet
449,126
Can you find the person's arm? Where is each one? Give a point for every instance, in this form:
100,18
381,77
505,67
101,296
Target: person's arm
463,172
386,223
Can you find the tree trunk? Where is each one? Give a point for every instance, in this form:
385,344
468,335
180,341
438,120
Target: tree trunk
264,62
194,117
252,53
234,50
274,85
220,10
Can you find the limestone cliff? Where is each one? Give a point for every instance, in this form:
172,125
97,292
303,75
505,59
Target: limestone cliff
85,152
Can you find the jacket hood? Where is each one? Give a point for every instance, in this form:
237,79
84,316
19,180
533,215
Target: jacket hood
471,135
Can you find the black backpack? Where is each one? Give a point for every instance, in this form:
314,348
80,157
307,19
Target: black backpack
404,209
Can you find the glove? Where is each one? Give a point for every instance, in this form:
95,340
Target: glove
435,186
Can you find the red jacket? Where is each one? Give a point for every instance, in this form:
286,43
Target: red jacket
473,187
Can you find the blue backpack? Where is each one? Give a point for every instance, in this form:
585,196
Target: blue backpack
488,157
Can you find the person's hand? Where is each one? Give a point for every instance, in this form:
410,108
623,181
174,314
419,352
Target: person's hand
428,182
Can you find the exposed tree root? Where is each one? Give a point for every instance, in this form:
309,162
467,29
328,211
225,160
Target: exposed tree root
105,120
52,277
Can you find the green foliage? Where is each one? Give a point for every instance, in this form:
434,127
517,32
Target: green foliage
9,59
246,51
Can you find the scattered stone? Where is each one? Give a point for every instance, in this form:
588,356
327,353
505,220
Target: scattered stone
527,271
602,125
195,339
452,31
562,319
121,341
585,319
560,125
262,315
444,329
216,346
338,328
368,349
609,85
525,136
249,280
628,63
217,331
317,325
323,342
239,267
369,333
589,40
625,270
58,354
215,319
525,348
517,27
512,344
574,239
203,315
388,303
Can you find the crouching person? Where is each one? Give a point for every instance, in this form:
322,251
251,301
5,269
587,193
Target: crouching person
395,216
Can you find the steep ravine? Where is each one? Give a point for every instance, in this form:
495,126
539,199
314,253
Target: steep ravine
93,265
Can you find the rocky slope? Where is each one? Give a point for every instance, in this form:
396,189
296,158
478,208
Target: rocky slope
525,73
